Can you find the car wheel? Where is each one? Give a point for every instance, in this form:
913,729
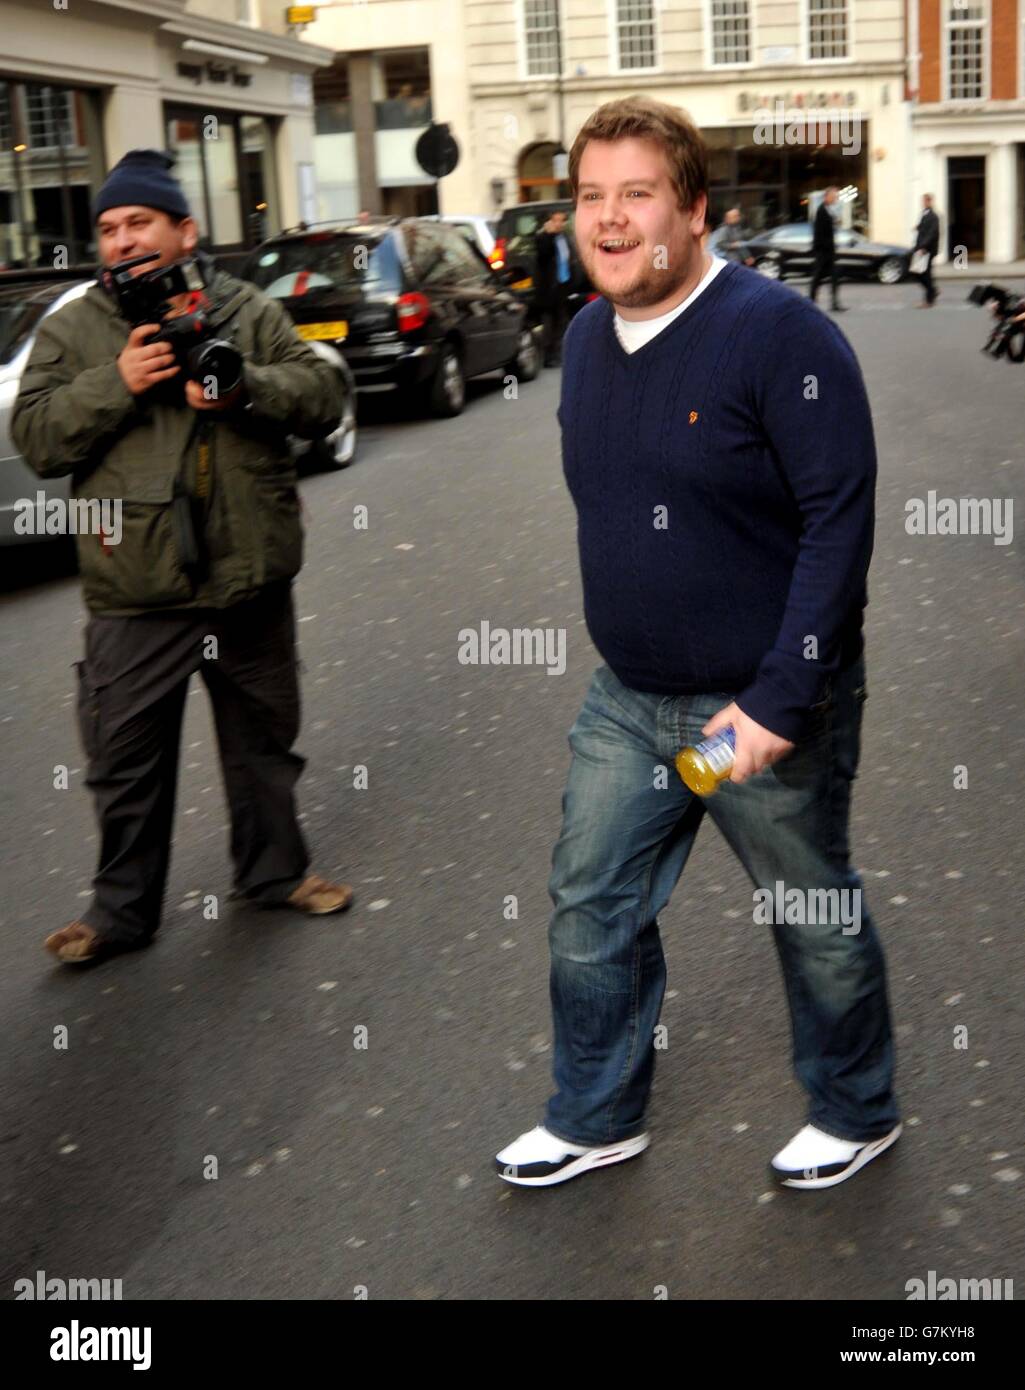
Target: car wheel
527,362
769,267
891,271
447,394
339,447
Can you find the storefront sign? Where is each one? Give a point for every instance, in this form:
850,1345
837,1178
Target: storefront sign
817,101
300,14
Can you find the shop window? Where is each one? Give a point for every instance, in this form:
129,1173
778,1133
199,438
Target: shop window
51,166
225,167
406,77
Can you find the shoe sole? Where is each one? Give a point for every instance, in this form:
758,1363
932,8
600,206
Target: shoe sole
593,1158
322,911
863,1156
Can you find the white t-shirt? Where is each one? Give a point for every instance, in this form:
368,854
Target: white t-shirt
634,333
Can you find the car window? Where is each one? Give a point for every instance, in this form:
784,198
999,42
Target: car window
521,228
19,315
440,255
317,263
469,264
800,232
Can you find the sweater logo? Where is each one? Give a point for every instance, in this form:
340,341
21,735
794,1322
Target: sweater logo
692,417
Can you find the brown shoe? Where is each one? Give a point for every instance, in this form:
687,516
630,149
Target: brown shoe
75,944
316,896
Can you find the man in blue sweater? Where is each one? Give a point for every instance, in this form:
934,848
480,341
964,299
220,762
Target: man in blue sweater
718,445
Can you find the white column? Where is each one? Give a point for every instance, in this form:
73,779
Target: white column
132,120
1001,213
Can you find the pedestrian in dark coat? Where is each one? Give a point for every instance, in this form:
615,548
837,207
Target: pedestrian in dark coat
927,239
553,278
823,247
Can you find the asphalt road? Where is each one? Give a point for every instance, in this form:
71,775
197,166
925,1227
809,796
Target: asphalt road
341,1167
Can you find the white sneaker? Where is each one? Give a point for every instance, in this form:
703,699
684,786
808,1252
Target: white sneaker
815,1159
539,1159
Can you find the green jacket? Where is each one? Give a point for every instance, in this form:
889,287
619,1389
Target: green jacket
75,415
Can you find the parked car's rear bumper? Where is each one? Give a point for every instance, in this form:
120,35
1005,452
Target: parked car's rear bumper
391,366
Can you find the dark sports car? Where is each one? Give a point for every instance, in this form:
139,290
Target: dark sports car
785,252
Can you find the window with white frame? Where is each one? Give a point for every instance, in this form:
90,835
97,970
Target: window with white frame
540,29
827,29
635,33
731,32
966,50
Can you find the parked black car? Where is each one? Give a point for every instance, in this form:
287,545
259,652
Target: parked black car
410,304
515,253
783,252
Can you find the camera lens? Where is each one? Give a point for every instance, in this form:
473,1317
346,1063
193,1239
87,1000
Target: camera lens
217,359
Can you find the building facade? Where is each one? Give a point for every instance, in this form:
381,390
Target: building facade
829,74
82,81
966,78
399,66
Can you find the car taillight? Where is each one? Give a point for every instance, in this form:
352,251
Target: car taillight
497,254
412,310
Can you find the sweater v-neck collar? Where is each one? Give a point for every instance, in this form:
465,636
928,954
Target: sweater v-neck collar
663,334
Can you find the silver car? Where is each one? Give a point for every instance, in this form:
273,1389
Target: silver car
22,309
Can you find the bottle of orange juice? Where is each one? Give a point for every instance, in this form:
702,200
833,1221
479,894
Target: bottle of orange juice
707,764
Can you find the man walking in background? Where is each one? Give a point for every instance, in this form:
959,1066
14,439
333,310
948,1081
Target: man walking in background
823,245
927,241
554,273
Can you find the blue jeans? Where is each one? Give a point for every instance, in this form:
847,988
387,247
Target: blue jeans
624,842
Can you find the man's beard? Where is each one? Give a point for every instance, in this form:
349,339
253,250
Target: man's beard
649,286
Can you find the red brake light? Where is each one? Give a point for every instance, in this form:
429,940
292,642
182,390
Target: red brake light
412,310
497,254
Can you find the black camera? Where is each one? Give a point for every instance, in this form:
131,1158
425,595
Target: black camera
1008,338
146,298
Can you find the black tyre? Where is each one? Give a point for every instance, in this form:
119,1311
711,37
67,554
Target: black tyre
446,394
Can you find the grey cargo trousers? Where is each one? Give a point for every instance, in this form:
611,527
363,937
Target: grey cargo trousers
131,698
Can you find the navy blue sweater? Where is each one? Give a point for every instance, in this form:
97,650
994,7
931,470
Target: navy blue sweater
747,419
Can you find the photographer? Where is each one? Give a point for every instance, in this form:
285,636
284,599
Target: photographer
211,538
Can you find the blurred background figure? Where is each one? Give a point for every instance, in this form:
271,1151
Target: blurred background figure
823,247
927,239
729,240
553,277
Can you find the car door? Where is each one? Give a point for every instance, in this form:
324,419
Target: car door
438,254
854,258
494,308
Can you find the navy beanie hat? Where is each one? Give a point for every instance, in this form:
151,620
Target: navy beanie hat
142,178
